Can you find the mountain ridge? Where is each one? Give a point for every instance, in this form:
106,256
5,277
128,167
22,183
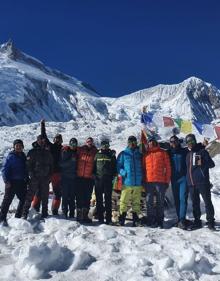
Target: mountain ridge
30,91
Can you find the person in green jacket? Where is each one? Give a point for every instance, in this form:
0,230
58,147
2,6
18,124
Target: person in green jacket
104,170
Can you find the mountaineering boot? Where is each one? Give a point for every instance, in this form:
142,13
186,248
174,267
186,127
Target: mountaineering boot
71,214
3,222
44,214
122,218
196,225
211,225
79,215
55,212
85,219
136,220
182,225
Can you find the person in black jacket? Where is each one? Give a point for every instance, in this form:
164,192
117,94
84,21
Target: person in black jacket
178,179
55,149
14,174
68,167
105,169
40,167
198,162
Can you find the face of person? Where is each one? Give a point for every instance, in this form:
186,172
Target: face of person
132,143
89,142
58,140
105,146
174,143
152,144
18,147
190,143
73,145
41,142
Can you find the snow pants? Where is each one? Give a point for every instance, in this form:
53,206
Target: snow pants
37,186
155,196
68,186
57,193
18,188
130,194
180,195
195,192
104,186
84,192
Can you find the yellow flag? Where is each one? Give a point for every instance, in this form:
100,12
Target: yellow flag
186,126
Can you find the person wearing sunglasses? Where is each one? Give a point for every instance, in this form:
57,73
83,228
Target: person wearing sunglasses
85,166
178,180
198,162
68,166
104,170
157,175
129,166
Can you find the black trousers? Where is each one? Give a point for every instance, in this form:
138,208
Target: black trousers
68,187
104,186
38,186
18,188
84,192
205,192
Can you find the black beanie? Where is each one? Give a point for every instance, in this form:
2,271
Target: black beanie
18,141
132,138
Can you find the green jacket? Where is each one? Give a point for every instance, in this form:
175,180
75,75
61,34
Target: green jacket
105,163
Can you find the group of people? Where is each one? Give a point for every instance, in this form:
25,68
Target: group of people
75,172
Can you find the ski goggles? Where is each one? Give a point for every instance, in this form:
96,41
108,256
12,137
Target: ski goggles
190,141
106,145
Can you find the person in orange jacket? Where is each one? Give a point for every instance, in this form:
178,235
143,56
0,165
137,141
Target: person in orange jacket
157,175
85,167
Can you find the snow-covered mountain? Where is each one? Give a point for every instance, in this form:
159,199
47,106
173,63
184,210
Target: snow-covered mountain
29,91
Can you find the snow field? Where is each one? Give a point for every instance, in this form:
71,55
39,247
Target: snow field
60,249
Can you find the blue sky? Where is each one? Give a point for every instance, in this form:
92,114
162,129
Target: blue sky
119,46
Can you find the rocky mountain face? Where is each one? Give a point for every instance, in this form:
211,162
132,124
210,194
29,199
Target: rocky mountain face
31,91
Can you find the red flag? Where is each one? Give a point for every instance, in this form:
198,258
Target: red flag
217,131
168,122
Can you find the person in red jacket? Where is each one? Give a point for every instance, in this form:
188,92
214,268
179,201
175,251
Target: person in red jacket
85,166
157,175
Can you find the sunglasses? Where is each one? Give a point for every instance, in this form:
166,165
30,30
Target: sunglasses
174,141
105,144
134,141
190,142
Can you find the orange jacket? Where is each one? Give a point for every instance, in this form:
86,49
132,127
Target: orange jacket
156,163
85,161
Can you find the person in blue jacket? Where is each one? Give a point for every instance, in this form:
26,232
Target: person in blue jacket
129,166
198,162
14,174
178,179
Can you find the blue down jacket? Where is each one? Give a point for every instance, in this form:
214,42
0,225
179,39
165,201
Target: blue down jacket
14,167
129,166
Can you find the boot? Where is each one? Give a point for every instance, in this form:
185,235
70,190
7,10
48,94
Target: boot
211,225
136,219
72,214
79,215
196,225
182,225
85,212
122,218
